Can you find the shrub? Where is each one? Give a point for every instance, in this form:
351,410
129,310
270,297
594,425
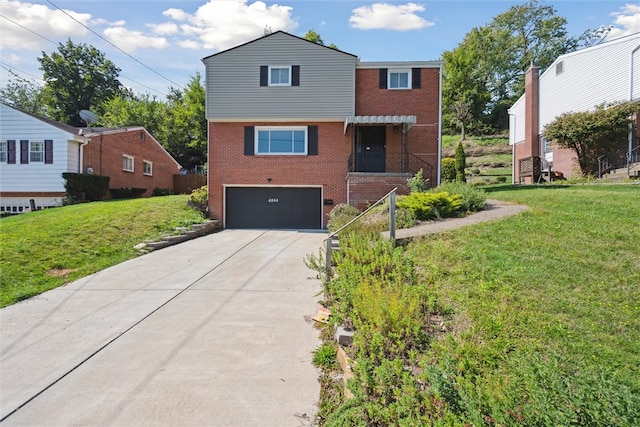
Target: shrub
473,199
161,191
460,163
198,199
340,215
126,192
427,206
417,183
448,169
84,187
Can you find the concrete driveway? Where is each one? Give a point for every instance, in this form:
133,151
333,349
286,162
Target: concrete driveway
210,332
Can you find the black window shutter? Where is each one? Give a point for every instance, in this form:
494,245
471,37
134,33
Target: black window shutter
295,75
11,152
312,140
383,78
48,151
24,151
264,75
249,138
415,78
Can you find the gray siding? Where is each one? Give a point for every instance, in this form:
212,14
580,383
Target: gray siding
326,91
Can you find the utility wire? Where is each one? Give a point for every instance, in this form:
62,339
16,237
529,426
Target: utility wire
51,41
98,35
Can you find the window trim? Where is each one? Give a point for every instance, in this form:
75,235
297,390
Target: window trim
144,167
258,129
126,157
406,71
279,67
33,152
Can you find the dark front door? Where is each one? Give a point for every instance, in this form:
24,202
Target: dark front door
370,149
273,207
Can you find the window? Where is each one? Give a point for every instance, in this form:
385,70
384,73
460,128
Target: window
3,151
127,163
281,140
546,146
147,168
36,152
279,76
399,79
559,68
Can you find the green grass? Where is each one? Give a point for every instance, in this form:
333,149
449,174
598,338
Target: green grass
45,249
450,141
546,305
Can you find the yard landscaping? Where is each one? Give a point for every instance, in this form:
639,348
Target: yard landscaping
45,249
531,320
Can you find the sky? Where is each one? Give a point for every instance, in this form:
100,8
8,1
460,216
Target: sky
159,44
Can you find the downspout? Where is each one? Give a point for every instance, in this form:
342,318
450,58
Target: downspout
439,125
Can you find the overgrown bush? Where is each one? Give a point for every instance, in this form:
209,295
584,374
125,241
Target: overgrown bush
161,191
340,215
199,199
448,169
126,192
473,199
426,206
417,183
85,187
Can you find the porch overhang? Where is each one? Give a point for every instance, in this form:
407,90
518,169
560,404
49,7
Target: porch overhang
408,121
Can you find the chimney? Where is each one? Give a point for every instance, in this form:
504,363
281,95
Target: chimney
531,111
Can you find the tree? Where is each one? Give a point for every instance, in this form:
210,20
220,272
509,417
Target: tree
312,36
77,77
488,67
23,94
462,112
128,109
184,132
461,163
592,134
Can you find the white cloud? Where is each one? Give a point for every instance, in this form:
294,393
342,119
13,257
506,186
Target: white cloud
627,21
221,24
39,19
165,29
385,16
129,41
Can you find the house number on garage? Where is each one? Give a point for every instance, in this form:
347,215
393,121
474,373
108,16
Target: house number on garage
273,200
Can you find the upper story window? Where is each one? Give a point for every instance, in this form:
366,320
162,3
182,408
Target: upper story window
281,140
399,79
147,167
3,151
559,68
127,163
36,152
280,75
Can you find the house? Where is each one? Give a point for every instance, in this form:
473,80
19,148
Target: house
574,82
296,128
36,151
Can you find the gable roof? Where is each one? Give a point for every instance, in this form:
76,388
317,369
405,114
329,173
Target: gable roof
278,34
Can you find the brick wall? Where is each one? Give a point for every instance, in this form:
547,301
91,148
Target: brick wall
229,166
105,155
367,188
423,103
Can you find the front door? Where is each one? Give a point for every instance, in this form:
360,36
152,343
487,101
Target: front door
370,149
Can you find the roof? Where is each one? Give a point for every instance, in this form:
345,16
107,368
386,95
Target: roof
280,32
379,120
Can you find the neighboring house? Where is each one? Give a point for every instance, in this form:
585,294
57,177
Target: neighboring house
36,151
577,81
296,128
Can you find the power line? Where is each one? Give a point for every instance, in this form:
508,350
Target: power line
51,41
98,35
11,69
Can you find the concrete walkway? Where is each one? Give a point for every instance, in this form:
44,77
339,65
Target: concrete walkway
211,332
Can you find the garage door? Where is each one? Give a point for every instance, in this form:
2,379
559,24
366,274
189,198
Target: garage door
273,207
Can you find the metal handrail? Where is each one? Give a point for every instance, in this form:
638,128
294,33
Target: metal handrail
633,157
392,224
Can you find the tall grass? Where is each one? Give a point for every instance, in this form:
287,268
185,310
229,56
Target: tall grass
45,249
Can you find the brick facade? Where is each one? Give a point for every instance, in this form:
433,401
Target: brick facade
229,166
104,154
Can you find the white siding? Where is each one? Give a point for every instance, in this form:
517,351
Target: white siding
516,122
590,77
326,91
35,177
